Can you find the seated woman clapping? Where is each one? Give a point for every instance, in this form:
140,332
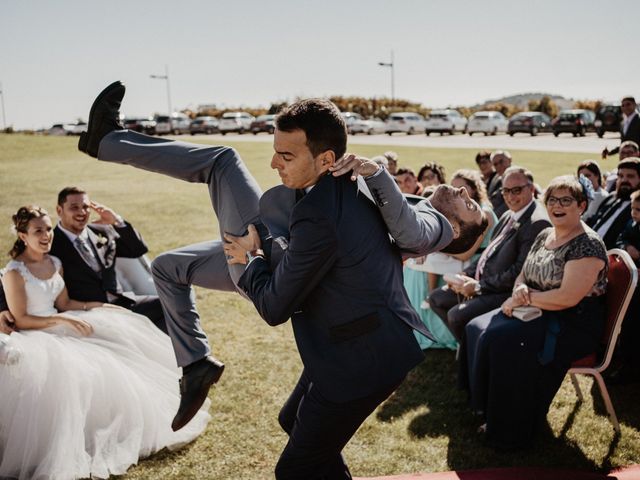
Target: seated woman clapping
516,367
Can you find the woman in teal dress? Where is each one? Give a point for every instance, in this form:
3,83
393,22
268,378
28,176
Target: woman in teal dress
415,270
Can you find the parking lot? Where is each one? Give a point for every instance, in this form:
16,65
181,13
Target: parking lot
546,142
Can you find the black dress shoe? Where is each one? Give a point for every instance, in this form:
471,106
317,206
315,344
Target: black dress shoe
194,387
104,118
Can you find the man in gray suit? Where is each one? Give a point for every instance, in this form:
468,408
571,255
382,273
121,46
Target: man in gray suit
488,281
238,202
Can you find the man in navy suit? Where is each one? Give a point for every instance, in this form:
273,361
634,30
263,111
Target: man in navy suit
88,253
629,127
340,281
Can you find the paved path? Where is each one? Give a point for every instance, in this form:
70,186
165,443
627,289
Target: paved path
546,142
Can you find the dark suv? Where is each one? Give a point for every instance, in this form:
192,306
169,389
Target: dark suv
608,119
529,122
577,122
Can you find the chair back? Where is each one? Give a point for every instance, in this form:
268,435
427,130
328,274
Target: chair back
622,280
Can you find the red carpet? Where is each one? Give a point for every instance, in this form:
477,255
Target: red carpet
626,473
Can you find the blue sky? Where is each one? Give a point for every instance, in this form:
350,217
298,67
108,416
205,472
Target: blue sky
56,56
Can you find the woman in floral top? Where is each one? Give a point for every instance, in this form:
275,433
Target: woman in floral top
517,367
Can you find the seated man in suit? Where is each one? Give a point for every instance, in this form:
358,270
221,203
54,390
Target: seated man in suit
419,230
488,281
88,253
615,211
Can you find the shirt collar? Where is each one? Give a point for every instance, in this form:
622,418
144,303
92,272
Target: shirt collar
517,215
84,235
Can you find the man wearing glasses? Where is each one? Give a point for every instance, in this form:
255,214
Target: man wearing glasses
488,281
629,127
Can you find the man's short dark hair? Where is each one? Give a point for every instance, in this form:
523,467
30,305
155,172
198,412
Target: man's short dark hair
629,99
321,122
469,234
66,191
630,163
481,156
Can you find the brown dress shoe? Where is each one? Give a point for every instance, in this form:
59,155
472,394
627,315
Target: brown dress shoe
194,388
104,118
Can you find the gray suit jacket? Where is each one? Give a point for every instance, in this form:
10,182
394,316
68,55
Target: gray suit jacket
502,268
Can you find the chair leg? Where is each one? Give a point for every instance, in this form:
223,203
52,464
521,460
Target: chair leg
607,401
576,386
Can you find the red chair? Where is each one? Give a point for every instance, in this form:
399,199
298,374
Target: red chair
622,280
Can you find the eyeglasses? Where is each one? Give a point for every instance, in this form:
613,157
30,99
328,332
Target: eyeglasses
514,190
564,201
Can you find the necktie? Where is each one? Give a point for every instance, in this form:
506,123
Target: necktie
87,255
607,214
493,246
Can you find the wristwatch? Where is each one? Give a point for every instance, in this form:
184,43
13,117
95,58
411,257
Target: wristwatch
476,289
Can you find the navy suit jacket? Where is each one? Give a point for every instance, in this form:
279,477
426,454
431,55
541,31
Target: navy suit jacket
340,281
633,133
603,213
82,282
502,268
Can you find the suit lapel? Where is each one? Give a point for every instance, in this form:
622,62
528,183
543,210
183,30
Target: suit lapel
69,250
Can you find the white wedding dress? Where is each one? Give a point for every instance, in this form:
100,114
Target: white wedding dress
74,407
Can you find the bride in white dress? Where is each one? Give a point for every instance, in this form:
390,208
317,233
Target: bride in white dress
94,388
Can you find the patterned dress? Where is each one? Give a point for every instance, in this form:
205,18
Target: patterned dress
515,368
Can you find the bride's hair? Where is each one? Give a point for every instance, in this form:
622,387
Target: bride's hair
21,221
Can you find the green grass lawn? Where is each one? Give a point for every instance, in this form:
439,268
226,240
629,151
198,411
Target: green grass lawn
425,426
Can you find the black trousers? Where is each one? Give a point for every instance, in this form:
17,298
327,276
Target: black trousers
318,431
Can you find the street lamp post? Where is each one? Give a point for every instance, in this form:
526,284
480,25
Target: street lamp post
165,77
391,67
4,120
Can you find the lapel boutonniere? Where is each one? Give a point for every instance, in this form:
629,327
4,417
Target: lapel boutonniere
516,225
102,241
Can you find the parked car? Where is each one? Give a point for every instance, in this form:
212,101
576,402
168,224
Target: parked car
176,124
264,123
608,119
577,122
405,122
488,123
368,126
350,117
140,125
445,121
529,122
61,129
67,129
235,122
206,125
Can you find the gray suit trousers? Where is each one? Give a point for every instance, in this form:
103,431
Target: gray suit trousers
234,196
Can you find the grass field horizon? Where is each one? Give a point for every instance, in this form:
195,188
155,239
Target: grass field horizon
424,427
